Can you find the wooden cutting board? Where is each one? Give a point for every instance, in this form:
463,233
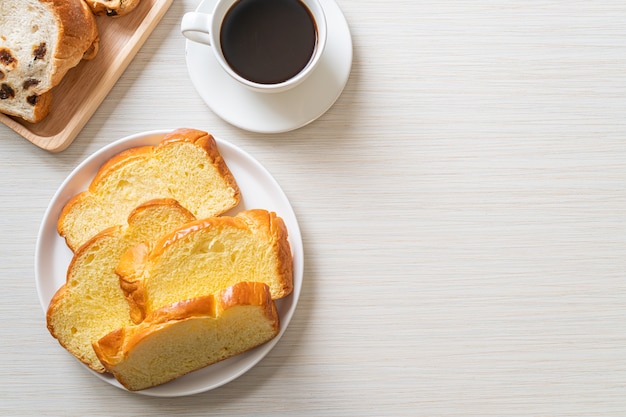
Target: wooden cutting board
84,87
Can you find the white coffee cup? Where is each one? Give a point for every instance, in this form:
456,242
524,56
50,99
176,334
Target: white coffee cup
208,28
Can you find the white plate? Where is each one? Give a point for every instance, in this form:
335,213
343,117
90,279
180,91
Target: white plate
258,190
275,112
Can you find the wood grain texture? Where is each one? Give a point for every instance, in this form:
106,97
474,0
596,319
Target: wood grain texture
463,210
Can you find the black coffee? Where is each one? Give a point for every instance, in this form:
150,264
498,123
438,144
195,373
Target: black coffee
268,41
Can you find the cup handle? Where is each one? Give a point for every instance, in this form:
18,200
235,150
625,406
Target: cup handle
195,27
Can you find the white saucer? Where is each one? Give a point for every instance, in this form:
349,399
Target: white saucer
275,112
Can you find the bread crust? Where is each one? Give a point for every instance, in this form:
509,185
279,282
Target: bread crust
43,104
79,34
27,91
130,273
134,264
65,291
201,139
40,110
207,142
116,346
117,161
112,8
55,308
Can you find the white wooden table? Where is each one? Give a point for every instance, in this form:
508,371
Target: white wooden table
462,206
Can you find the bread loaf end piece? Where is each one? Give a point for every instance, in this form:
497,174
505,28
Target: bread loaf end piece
39,42
206,256
32,108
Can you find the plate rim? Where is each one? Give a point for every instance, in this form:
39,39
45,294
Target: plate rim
152,137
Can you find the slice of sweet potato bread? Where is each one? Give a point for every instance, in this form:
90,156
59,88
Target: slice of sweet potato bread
189,335
206,256
91,303
185,166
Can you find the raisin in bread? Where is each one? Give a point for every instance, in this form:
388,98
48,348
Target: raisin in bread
206,256
189,335
185,166
112,8
40,40
91,303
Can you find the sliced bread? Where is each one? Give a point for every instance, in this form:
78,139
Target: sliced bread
189,335
206,256
40,40
186,166
91,303
112,7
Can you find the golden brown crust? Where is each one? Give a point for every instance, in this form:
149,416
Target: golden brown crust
160,202
207,142
109,346
64,290
77,38
185,134
107,232
129,233
59,295
116,161
133,263
42,107
135,256
64,211
79,34
248,293
277,235
112,348
112,8
200,138
195,307
278,230
117,345
131,281
93,50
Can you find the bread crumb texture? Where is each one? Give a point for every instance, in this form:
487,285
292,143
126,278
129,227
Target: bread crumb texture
206,256
91,303
186,166
162,283
190,335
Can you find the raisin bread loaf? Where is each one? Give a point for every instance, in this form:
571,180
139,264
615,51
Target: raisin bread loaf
112,7
91,303
189,335
185,166
206,256
40,40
